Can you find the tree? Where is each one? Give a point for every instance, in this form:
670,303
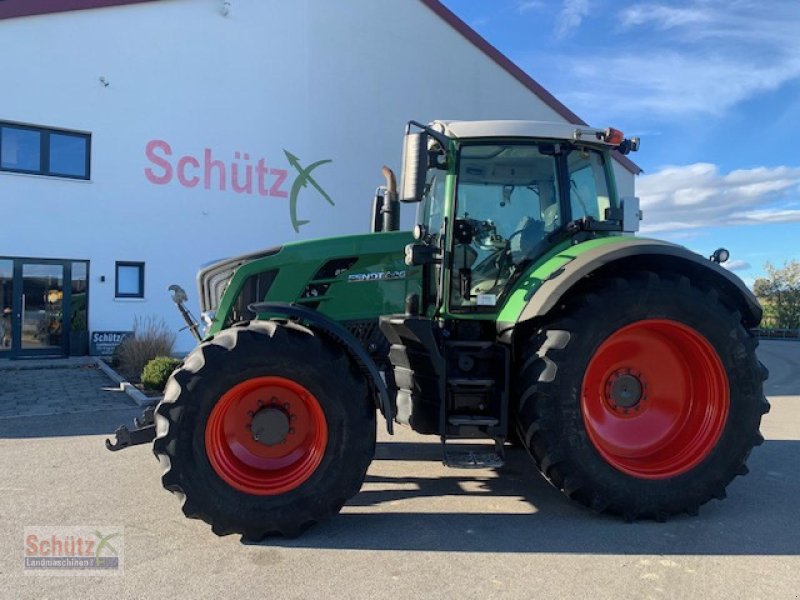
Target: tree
779,292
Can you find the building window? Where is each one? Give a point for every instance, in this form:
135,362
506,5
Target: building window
129,280
44,151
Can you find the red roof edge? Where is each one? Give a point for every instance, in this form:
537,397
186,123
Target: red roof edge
503,61
10,9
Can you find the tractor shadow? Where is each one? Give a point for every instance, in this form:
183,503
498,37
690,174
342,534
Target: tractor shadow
516,510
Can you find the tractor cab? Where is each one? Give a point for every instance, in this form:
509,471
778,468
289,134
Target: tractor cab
496,196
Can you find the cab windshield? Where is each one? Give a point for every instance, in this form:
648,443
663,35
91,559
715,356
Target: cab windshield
509,198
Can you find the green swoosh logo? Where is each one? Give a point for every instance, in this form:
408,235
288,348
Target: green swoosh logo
304,179
105,543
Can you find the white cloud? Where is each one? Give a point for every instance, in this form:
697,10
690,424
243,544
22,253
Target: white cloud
676,84
524,6
737,265
699,59
571,17
663,16
698,195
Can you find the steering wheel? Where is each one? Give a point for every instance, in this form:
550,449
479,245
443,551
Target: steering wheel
506,247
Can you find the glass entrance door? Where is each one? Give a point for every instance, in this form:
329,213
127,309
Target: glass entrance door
6,305
43,307
41,303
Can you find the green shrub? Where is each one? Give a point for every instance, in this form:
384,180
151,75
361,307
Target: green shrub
151,337
157,371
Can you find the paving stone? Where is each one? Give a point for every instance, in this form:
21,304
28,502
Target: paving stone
39,389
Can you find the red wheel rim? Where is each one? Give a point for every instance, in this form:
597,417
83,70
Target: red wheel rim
254,467
668,422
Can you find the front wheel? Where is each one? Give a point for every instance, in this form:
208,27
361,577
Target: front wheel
265,429
644,398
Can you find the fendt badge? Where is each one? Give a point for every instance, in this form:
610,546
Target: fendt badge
376,276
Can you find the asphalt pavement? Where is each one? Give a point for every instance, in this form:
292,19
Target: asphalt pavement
417,529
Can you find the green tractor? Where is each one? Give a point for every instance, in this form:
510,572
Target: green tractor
521,310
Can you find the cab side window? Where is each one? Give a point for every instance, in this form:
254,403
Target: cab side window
588,192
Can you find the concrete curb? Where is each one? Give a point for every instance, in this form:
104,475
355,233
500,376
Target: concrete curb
125,386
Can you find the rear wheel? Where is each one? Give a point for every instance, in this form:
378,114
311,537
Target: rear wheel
265,429
643,398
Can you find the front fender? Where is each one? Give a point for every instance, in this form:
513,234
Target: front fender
333,331
617,259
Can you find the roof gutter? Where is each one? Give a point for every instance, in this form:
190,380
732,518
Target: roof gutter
10,9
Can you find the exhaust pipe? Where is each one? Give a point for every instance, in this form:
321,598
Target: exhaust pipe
390,211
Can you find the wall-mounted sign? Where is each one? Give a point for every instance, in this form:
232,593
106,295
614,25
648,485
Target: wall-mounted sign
103,343
242,175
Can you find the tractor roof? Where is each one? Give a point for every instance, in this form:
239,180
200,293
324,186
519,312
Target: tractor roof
512,129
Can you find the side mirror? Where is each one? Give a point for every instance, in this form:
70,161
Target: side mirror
415,164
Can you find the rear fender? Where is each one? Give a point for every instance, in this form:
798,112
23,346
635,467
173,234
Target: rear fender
617,259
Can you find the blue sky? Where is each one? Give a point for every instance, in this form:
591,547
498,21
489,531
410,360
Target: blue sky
711,86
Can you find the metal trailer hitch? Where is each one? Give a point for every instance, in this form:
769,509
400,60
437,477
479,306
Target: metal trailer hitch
143,432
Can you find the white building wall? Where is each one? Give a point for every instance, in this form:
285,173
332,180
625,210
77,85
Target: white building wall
323,80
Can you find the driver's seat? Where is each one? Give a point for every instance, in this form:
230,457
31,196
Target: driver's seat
530,241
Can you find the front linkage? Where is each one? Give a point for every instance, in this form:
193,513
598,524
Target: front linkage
143,432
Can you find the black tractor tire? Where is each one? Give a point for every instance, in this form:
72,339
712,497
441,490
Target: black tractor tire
560,396
251,352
